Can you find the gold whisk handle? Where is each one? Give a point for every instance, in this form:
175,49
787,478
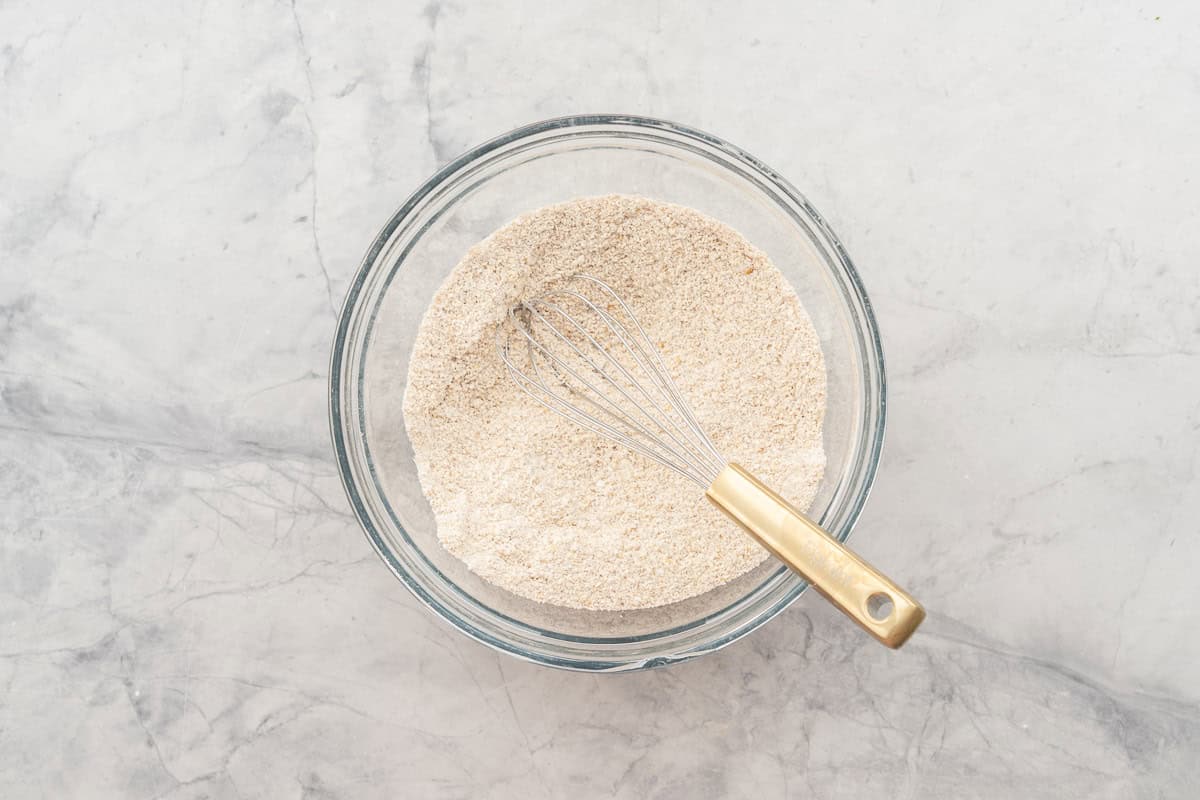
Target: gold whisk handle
862,592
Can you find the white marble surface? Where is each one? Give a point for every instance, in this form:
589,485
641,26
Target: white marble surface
187,610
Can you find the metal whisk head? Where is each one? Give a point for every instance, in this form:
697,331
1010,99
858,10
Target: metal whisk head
581,352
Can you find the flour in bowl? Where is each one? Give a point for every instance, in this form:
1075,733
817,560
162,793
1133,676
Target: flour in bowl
551,512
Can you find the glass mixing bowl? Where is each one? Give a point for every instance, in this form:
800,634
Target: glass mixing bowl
550,162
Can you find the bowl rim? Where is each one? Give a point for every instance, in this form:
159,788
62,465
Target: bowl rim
340,369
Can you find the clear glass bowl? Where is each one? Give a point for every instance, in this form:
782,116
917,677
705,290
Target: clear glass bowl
550,162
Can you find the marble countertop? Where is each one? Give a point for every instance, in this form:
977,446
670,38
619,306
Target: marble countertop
188,610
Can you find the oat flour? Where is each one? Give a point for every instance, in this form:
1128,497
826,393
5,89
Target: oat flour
551,512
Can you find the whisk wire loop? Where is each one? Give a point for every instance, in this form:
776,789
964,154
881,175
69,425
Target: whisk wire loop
656,414
607,378
663,373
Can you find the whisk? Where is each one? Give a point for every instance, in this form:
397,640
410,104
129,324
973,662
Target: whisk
581,352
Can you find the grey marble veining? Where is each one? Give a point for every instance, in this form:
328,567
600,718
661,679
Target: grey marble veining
187,610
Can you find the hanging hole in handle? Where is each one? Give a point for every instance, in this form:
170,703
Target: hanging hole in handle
879,606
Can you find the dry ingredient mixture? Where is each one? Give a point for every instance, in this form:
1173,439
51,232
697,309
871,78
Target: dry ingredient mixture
551,512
